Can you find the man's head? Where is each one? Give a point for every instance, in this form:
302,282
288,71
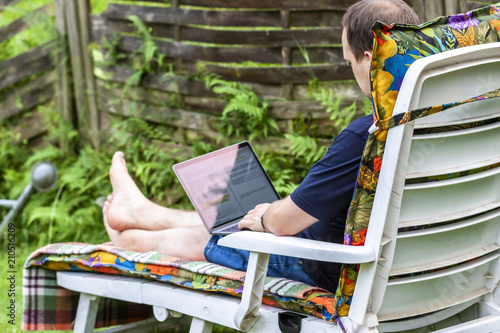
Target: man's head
357,36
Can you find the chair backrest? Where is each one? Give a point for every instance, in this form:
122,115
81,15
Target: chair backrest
436,217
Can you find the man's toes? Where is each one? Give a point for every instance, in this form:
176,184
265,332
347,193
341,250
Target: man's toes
105,209
118,156
118,165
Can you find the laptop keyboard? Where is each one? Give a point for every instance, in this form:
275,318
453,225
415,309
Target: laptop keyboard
233,228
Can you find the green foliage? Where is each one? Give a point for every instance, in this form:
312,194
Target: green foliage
245,115
306,148
98,6
41,28
111,55
150,154
68,212
148,54
367,108
71,211
149,48
12,13
341,118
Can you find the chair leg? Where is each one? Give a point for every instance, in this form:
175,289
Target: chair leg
86,313
200,326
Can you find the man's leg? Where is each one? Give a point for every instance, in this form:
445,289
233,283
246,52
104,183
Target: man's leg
135,223
188,243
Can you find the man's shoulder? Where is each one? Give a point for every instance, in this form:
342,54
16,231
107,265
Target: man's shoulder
360,126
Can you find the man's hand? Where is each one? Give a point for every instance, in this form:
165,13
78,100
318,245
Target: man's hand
283,218
252,220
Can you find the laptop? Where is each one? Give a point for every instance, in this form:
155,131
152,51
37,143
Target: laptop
224,185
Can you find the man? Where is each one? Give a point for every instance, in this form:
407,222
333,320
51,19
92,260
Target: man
317,209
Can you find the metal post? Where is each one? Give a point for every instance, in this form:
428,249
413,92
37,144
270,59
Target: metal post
44,177
18,205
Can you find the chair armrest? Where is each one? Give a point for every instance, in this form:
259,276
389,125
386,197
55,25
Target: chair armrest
298,247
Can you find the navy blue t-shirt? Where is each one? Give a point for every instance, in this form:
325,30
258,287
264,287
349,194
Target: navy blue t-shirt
326,193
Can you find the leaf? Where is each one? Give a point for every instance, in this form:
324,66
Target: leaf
466,39
149,50
495,24
136,21
485,34
134,79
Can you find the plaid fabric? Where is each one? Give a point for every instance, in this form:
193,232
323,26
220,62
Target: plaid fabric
50,307
47,306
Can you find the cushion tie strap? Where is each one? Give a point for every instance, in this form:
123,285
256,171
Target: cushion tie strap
403,118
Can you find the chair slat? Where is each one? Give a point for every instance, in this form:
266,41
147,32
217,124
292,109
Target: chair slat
446,200
412,296
478,111
447,245
446,84
455,151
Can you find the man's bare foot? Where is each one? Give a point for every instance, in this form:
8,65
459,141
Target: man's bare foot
125,207
114,235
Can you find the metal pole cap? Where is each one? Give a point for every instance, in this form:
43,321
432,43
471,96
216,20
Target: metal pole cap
44,176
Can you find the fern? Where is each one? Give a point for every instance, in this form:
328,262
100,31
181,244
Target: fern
245,115
149,48
367,107
50,153
111,55
148,52
286,184
341,118
306,147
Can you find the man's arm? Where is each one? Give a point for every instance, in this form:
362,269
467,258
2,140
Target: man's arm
282,218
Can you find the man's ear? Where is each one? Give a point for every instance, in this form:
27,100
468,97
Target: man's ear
368,55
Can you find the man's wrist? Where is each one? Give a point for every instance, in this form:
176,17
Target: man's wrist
262,223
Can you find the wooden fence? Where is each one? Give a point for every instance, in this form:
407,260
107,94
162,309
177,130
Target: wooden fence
29,79
59,72
276,47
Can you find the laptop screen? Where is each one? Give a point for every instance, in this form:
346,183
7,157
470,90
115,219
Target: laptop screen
224,185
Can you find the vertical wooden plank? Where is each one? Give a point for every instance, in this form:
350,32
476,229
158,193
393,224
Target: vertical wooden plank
287,88
466,5
178,61
76,65
8,2
177,36
88,70
419,8
78,29
433,9
451,7
63,92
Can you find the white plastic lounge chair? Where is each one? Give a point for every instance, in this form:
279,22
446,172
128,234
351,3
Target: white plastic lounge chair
443,269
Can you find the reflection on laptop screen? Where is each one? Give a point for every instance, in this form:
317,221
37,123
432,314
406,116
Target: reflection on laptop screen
224,185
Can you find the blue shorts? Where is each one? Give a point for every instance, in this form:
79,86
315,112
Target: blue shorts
279,266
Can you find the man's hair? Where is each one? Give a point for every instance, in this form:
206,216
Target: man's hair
360,17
